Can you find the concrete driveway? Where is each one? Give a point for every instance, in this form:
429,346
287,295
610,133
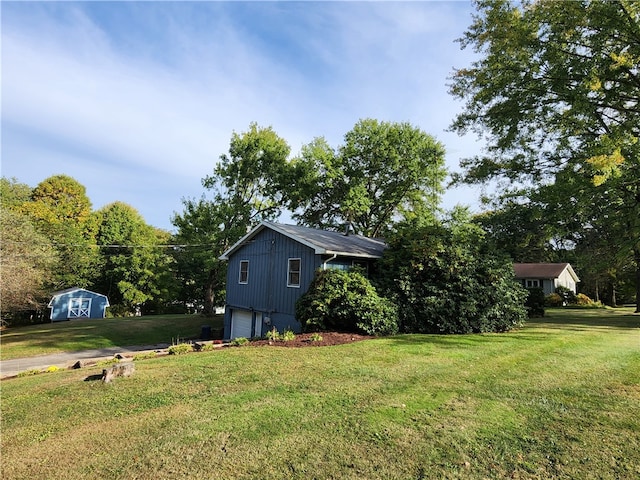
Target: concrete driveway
11,368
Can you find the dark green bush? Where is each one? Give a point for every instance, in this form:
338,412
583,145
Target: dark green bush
568,297
446,279
345,301
535,302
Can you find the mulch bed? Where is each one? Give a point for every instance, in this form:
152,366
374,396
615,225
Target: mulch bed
304,340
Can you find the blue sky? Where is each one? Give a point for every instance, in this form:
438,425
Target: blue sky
137,101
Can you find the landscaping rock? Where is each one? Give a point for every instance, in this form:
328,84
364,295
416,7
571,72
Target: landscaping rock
117,370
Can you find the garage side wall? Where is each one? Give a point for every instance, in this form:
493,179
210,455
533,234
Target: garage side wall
263,290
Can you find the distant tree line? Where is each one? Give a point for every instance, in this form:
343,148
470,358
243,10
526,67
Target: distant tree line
52,239
443,272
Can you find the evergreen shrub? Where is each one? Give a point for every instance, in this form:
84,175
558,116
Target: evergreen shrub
345,301
535,302
447,279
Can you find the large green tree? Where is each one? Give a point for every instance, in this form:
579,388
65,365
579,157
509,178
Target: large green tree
384,172
136,268
555,94
27,258
61,211
13,194
246,188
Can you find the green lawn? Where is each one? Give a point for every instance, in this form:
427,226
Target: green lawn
78,335
558,399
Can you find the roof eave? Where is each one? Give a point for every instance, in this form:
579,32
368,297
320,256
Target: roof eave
351,254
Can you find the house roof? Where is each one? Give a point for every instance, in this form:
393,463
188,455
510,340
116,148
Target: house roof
323,242
543,270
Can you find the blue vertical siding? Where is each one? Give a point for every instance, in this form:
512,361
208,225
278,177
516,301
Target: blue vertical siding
266,294
60,304
266,291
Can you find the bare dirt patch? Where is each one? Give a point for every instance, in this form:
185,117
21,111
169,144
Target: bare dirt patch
305,340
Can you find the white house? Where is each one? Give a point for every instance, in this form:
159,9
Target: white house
547,276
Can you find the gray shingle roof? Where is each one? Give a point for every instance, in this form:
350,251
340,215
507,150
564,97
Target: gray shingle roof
322,241
542,270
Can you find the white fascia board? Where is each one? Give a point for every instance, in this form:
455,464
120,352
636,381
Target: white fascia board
248,236
572,272
347,254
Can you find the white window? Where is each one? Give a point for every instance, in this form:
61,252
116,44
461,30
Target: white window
293,273
243,277
533,283
79,307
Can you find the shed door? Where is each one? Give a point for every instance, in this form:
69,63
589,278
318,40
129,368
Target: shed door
80,308
241,323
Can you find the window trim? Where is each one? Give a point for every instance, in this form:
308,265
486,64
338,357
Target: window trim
78,306
289,272
246,272
533,283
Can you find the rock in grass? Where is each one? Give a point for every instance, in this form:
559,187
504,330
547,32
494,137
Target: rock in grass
117,370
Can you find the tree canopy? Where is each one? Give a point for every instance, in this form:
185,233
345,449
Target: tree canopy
61,210
135,269
53,239
27,258
246,188
383,172
555,94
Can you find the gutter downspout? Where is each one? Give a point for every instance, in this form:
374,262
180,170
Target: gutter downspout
324,265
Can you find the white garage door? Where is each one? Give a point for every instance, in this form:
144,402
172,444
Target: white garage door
241,323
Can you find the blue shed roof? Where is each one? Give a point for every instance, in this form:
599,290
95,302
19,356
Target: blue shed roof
321,241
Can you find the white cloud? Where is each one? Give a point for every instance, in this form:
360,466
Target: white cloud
142,114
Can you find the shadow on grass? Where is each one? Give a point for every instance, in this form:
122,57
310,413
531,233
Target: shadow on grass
555,322
449,340
580,319
93,378
84,334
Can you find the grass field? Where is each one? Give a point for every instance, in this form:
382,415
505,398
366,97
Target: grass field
88,334
559,398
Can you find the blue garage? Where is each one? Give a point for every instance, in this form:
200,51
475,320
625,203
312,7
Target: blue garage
77,302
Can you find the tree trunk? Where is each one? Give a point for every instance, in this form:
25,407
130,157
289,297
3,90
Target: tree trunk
210,293
614,302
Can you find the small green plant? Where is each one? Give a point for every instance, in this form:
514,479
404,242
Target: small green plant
239,341
207,347
315,337
273,335
144,355
180,349
28,373
567,295
345,301
288,336
108,362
